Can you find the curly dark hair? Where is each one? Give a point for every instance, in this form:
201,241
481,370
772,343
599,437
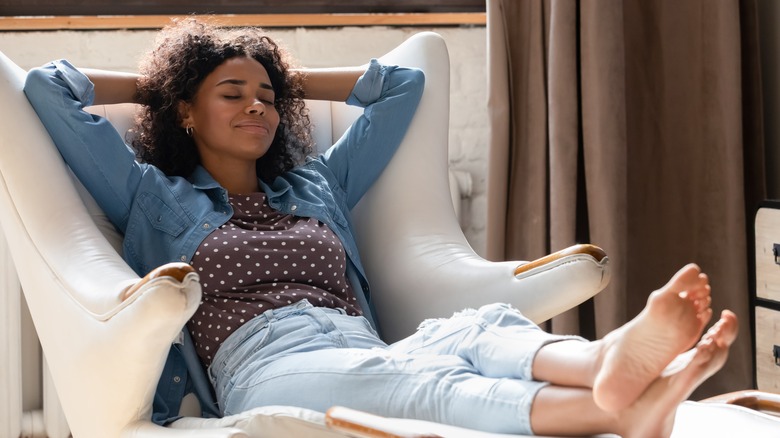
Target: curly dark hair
184,54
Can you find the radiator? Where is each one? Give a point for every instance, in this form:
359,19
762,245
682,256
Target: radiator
29,406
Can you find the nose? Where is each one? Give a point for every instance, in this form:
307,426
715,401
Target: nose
257,107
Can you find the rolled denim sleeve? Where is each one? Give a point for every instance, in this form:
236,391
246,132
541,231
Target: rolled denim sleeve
89,144
389,95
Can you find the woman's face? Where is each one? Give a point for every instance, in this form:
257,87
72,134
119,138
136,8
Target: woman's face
232,115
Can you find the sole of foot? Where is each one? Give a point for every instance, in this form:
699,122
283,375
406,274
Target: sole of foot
636,354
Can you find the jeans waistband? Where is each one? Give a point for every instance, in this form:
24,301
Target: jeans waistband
255,324
279,313
264,318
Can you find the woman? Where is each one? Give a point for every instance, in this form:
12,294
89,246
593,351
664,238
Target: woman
224,182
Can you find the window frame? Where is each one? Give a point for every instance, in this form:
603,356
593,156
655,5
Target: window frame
37,8
142,22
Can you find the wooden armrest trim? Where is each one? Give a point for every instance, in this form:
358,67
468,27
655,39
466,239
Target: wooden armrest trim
757,400
365,425
585,249
177,271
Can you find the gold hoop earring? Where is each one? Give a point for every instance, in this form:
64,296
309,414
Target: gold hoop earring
188,130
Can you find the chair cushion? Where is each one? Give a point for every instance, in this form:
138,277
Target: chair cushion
267,421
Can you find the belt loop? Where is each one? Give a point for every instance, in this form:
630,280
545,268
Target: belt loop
268,315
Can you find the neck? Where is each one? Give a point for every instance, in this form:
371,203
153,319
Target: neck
241,187
235,181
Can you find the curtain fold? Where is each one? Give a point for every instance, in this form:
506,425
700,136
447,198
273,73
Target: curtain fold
634,125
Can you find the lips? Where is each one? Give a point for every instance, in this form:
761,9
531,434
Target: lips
254,127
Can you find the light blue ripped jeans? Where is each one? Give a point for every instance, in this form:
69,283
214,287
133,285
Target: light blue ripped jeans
471,370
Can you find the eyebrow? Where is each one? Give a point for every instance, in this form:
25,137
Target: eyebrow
264,85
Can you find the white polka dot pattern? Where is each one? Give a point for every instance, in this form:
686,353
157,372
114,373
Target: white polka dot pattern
260,260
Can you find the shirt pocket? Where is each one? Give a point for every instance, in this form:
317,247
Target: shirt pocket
161,216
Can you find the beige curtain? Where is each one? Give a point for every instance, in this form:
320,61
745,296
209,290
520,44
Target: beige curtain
634,125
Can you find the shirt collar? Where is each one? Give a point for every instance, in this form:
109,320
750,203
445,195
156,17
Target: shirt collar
201,179
276,189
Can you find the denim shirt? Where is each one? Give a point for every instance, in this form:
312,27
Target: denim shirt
165,219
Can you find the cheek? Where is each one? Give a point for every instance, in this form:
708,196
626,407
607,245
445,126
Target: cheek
212,118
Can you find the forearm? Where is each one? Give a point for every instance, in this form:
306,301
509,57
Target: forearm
330,83
111,86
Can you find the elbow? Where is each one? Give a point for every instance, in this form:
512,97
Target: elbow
413,84
419,83
419,80
36,77
36,81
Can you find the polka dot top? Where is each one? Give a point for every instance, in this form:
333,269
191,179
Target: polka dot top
260,260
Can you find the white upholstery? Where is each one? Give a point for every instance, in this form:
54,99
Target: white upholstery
105,355
98,349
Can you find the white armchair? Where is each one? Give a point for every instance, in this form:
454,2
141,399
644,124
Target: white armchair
105,354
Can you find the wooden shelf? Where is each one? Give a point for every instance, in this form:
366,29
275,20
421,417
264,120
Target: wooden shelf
106,22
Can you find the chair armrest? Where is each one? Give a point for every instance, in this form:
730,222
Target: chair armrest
358,424
365,425
722,420
176,271
757,400
122,358
592,251
444,277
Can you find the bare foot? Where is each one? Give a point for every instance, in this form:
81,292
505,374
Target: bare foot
634,355
653,413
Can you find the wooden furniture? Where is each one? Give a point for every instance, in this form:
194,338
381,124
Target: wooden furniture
767,297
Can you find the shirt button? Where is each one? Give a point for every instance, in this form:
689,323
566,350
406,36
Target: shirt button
294,207
206,226
183,258
176,379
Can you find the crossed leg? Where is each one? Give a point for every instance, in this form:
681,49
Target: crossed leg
624,383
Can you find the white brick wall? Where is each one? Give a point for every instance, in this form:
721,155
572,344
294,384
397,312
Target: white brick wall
315,47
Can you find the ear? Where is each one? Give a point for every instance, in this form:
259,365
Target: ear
183,108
